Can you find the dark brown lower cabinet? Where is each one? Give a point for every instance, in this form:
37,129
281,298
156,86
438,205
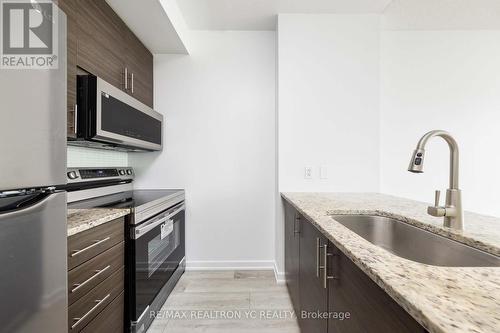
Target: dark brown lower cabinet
292,253
96,279
89,306
313,294
110,320
351,302
369,307
87,276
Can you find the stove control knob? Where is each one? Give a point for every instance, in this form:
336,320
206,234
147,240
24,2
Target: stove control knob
129,172
72,175
122,172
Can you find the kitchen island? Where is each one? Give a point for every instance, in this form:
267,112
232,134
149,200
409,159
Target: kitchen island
441,299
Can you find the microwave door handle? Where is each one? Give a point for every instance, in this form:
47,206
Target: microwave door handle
148,227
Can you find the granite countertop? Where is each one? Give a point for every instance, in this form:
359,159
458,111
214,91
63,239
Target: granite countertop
83,219
442,299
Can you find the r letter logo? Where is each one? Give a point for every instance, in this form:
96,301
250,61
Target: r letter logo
29,39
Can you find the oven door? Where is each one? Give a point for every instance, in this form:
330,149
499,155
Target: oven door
158,248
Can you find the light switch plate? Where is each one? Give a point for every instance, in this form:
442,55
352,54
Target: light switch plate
323,172
308,172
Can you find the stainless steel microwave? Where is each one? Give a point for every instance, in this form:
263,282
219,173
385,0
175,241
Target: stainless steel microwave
109,118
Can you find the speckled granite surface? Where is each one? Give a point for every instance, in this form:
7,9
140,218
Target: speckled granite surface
442,299
83,219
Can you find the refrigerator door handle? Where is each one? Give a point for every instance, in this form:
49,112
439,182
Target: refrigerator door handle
28,206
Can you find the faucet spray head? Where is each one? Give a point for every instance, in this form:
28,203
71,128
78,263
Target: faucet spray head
417,161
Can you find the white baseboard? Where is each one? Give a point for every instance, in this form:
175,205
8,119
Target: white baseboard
224,265
280,276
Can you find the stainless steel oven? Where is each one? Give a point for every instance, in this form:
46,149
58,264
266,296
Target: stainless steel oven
157,251
107,117
155,229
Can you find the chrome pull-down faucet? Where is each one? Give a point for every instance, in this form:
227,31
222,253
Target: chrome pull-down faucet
452,210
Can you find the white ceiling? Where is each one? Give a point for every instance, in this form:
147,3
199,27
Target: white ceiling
442,15
151,24
261,14
163,25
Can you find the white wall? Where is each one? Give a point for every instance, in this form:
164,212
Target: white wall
441,74
442,80
328,105
219,107
351,97
328,101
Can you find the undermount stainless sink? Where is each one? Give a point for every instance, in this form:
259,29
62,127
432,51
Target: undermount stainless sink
409,242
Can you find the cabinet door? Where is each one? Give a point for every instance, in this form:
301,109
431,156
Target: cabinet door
139,63
371,309
111,319
100,44
313,294
70,8
292,252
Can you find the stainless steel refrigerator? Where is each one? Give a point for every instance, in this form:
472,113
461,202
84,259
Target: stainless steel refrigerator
33,268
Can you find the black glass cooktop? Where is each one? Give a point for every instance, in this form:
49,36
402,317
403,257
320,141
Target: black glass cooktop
129,199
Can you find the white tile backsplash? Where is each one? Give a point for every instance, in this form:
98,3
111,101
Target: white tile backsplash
87,157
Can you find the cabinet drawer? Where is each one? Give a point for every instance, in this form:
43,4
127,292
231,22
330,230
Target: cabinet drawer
85,277
89,306
110,319
86,245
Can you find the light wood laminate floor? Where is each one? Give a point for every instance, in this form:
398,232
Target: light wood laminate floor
227,302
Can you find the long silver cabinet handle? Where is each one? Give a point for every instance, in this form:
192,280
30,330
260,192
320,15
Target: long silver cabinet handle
326,277
132,83
318,246
295,222
99,242
99,302
98,272
125,77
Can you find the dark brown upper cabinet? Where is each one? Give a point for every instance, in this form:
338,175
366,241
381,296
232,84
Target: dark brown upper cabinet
71,11
139,63
100,43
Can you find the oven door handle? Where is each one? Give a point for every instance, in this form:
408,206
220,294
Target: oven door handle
176,211
145,229
142,230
